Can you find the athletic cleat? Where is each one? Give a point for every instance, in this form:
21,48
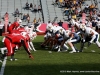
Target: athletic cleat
92,50
13,59
34,50
77,51
16,50
64,50
85,47
56,47
2,51
80,51
42,46
1,61
72,52
50,51
89,44
58,50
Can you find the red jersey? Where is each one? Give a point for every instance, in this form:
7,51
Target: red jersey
13,26
14,39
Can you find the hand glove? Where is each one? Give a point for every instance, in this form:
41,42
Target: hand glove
30,56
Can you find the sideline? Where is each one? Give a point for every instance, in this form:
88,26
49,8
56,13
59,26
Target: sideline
3,66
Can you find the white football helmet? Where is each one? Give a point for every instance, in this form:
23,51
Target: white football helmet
50,28
82,26
19,21
68,32
32,35
61,31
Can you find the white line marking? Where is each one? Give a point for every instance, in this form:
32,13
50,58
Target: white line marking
3,66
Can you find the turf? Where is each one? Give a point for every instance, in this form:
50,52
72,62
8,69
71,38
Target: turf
55,63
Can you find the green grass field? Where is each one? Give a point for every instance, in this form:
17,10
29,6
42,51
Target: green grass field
55,63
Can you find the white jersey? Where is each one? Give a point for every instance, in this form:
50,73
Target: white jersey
56,28
89,31
64,33
95,36
88,24
50,32
98,23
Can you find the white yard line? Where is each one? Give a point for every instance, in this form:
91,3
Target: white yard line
3,66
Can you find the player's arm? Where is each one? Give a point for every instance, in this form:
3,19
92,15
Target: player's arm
25,45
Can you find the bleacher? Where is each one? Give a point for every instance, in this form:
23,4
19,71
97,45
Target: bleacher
11,5
49,11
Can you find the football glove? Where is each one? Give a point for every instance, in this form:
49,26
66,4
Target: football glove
30,56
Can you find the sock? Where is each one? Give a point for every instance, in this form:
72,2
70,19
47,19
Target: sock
66,46
29,46
73,49
16,47
32,46
3,49
98,44
58,48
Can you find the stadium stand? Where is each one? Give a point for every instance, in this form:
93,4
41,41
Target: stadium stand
11,5
48,13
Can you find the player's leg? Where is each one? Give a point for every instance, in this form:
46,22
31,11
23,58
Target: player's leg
3,49
32,46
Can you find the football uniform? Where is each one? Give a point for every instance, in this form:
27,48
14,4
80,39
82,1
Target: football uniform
13,26
93,34
75,39
12,40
